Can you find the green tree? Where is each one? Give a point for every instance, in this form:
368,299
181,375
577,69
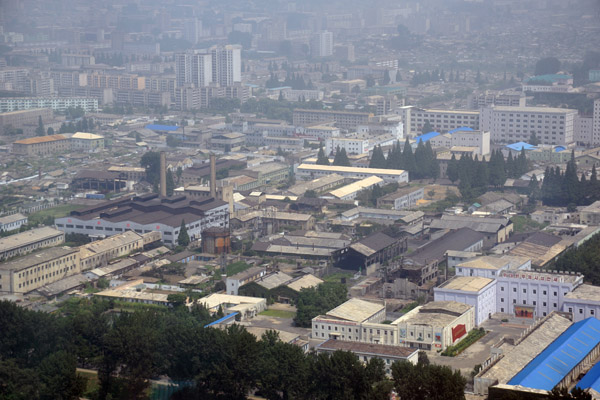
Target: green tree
408,158
183,239
377,158
40,130
533,139
321,157
173,141
59,379
427,127
314,301
341,158
563,393
50,131
546,66
170,183
339,375
452,170
151,162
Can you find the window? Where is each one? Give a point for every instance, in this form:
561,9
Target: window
501,309
524,290
534,291
514,301
515,290
544,292
591,312
544,304
534,302
555,293
570,309
502,288
524,302
581,311
554,305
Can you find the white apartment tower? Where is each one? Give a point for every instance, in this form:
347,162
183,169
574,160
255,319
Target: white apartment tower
321,44
193,68
226,65
192,30
596,123
514,124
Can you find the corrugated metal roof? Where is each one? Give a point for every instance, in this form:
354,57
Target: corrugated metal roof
591,380
167,128
461,129
520,145
427,136
559,358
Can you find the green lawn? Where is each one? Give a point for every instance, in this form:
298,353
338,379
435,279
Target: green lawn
525,224
337,277
55,212
236,268
278,313
92,381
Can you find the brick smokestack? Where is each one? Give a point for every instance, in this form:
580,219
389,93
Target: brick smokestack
213,176
163,174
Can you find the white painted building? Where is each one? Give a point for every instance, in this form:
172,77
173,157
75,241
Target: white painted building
583,130
60,104
352,145
321,132
583,302
12,222
313,171
553,126
596,123
490,266
475,291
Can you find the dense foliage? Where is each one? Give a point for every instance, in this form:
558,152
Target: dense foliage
318,300
476,175
39,354
584,259
566,189
420,164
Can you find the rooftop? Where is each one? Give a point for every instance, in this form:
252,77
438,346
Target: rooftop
435,313
535,109
27,237
274,280
356,186
41,139
557,360
336,168
517,357
216,299
495,262
467,283
373,243
584,292
86,136
39,257
165,128
306,281
101,246
459,239
356,310
368,348
12,218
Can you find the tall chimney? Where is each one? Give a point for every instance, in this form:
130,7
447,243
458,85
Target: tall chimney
163,174
213,176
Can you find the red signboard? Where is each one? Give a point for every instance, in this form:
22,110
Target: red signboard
458,331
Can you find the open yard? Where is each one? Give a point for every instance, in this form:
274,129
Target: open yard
278,313
55,212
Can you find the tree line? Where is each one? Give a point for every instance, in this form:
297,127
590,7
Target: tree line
566,189
340,158
584,259
39,354
475,176
421,164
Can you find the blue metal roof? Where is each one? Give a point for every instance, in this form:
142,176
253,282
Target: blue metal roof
462,128
167,128
591,380
520,145
223,319
558,359
558,149
427,136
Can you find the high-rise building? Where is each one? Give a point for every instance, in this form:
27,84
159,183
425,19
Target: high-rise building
192,30
321,44
193,68
226,65
596,123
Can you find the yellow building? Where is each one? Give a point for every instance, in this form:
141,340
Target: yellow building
30,272
42,145
99,253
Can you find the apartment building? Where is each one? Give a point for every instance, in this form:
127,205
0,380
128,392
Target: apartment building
342,119
41,145
18,119
60,104
514,124
351,145
28,241
24,274
596,123
488,98
462,138
440,120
